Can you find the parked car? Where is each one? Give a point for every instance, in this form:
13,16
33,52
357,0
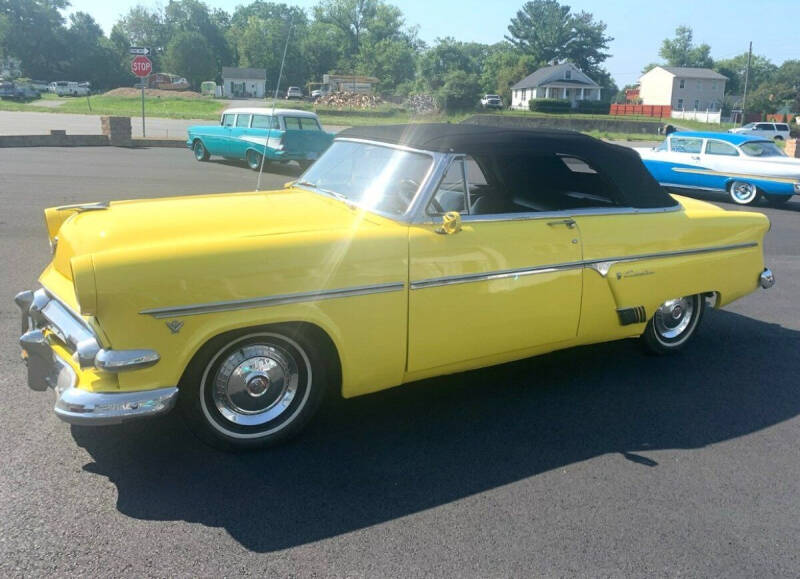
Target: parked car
491,101
294,92
745,167
778,131
405,252
70,88
11,91
280,135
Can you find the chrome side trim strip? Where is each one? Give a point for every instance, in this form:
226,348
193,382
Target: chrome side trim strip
533,215
493,275
80,207
601,266
277,300
692,187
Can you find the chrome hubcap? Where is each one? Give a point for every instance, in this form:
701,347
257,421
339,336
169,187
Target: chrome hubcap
743,191
255,384
673,317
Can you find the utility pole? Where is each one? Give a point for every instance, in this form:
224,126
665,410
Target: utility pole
746,79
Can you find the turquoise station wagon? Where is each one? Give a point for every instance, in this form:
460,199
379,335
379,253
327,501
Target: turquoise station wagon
279,135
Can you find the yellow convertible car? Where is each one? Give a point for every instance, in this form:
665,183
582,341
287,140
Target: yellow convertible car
404,252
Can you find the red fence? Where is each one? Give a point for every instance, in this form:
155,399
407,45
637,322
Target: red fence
656,111
779,118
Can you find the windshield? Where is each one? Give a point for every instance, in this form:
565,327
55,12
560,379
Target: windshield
762,149
372,176
749,126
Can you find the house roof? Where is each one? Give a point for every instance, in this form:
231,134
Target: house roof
690,72
552,74
244,73
622,165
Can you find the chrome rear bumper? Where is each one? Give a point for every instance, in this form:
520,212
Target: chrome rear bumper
44,319
767,278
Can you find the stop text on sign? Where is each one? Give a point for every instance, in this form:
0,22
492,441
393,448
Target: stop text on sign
141,66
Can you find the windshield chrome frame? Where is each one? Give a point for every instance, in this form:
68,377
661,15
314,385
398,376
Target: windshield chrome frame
437,160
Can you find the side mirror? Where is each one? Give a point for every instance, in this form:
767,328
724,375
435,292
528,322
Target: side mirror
451,223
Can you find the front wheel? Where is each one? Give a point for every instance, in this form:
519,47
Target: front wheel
200,151
252,390
673,324
777,200
743,193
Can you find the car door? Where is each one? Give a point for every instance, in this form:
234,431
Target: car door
216,138
720,159
766,130
685,157
237,145
501,284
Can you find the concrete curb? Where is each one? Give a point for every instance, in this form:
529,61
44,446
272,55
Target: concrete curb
61,139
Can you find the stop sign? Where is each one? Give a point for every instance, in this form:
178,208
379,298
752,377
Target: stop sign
141,66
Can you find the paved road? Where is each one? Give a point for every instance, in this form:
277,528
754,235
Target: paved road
594,461
33,123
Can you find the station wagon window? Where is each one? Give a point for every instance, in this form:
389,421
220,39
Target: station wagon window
301,124
721,148
227,120
242,120
686,145
264,122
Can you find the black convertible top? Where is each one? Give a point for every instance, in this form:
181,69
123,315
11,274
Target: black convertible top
621,165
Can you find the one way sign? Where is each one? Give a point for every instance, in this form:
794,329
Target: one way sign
141,50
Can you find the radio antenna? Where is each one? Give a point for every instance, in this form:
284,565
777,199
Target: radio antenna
274,101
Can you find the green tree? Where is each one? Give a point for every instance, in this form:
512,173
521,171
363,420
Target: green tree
460,91
261,43
450,55
761,71
92,56
547,30
681,50
189,55
351,17
35,34
503,67
194,16
143,27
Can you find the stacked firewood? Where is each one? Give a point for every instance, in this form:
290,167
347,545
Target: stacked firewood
350,100
421,104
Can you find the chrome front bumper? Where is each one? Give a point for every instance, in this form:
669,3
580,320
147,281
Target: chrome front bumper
44,318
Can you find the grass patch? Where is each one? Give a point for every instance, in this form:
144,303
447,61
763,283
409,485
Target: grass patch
173,108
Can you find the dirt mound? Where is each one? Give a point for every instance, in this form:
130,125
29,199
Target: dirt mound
125,91
346,100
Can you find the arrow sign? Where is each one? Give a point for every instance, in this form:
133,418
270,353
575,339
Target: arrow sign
139,50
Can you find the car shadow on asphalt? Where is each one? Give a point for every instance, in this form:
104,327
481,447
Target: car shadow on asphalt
724,199
288,169
394,453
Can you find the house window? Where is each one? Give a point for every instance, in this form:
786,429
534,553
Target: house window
682,84
568,74
524,94
680,104
696,104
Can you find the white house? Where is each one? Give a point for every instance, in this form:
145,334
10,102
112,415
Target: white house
243,82
561,81
682,88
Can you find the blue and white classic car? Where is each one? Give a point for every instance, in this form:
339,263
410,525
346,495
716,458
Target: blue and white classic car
745,167
279,135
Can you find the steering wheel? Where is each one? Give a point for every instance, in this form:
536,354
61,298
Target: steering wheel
407,188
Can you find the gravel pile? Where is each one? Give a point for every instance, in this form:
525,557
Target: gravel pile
350,100
421,104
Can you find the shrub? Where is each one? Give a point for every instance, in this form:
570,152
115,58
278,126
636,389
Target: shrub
460,92
549,105
594,107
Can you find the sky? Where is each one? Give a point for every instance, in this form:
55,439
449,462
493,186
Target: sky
638,27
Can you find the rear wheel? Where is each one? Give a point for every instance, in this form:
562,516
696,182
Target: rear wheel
200,151
743,193
777,200
253,160
252,390
673,324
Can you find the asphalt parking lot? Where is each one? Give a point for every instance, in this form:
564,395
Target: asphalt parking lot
596,461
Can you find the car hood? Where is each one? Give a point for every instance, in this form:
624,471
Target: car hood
167,222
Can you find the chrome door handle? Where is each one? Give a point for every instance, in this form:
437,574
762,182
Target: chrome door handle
696,157
570,223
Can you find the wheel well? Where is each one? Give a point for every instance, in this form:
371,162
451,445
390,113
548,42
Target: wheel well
197,140
293,330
